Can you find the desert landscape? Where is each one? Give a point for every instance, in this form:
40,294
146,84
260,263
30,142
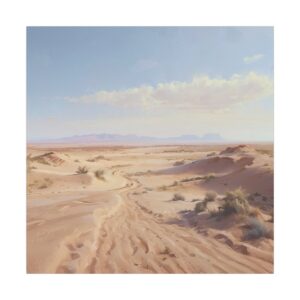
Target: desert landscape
150,209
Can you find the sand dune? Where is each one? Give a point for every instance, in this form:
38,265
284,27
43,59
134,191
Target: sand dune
125,221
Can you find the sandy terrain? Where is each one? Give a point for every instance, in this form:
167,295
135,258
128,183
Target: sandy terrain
124,218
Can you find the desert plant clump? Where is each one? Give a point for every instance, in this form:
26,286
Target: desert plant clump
200,207
82,170
214,213
43,186
209,177
210,196
257,229
178,163
163,188
99,174
210,154
178,197
235,202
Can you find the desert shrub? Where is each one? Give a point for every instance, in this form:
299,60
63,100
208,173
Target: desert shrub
163,188
191,179
175,183
178,163
210,196
209,177
256,230
91,160
82,170
200,207
214,213
211,154
235,202
99,174
43,186
178,197
76,160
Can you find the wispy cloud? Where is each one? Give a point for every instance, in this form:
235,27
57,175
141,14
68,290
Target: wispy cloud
253,58
201,93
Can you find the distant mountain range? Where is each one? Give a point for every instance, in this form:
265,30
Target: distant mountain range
131,139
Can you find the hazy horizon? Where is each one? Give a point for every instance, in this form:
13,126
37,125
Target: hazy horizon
150,81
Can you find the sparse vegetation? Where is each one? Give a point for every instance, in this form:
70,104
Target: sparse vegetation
76,160
256,230
235,202
191,179
43,186
178,197
200,207
95,158
209,177
210,196
178,163
211,154
163,188
99,174
82,170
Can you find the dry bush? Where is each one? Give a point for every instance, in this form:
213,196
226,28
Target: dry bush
257,229
209,177
191,179
200,207
178,197
178,163
163,188
210,196
43,186
235,202
82,170
211,154
99,174
214,213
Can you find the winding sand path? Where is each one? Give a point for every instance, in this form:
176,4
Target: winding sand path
126,237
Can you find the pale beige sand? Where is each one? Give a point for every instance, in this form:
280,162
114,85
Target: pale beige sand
126,222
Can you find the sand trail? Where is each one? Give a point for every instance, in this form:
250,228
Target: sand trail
128,239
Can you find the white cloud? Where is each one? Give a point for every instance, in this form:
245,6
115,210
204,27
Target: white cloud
201,93
253,58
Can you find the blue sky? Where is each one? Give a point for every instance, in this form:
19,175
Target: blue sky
159,81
